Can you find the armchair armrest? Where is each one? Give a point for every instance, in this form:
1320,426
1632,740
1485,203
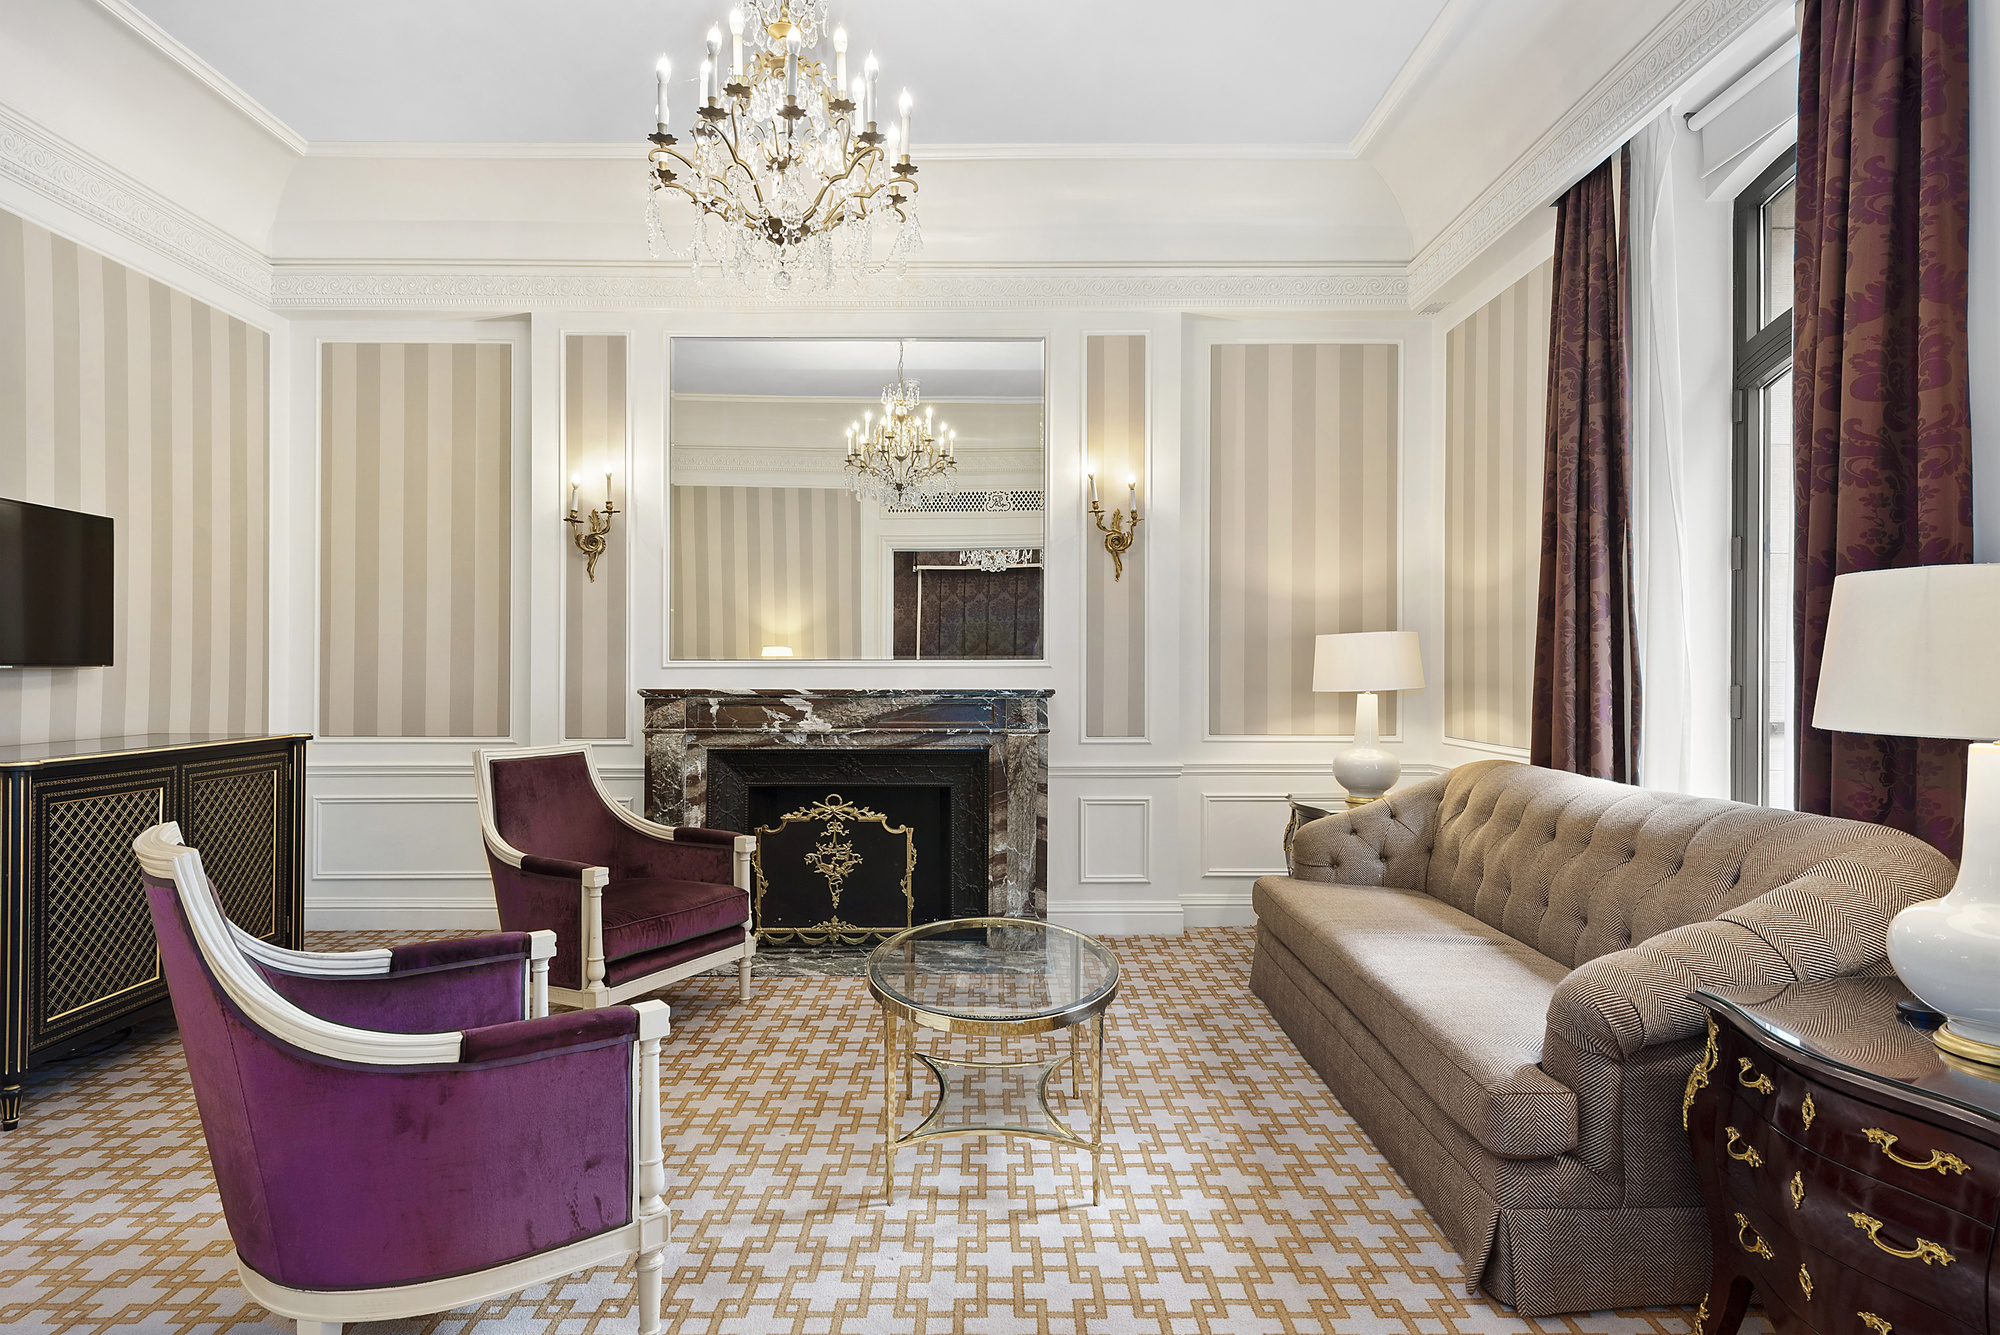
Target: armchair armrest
1385,842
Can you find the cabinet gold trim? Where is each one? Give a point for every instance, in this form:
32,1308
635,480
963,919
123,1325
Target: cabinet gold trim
1698,1077
1875,1323
1748,1154
1939,1160
1925,1250
1744,1070
1807,1111
1757,1246
1798,1190
1805,1282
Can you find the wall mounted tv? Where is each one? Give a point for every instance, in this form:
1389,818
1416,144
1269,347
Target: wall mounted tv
55,587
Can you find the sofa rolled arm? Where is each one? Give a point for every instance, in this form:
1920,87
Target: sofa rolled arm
1385,842
1830,922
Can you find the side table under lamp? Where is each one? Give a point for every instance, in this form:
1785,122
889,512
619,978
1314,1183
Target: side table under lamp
1367,662
1912,653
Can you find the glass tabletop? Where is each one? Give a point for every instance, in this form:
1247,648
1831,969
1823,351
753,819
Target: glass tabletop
994,970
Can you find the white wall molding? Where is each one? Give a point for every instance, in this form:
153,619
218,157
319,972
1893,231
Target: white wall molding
1588,133
1118,917
66,175
325,913
1092,840
1216,908
636,150
1360,287
219,83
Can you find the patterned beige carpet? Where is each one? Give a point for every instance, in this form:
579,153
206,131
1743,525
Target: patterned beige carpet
1242,1200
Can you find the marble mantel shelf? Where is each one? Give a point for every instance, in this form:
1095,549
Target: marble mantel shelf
683,725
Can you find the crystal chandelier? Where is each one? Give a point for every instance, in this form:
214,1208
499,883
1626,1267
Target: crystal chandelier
899,457
785,166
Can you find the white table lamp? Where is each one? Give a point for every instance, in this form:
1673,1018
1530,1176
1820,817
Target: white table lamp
1367,662
1914,653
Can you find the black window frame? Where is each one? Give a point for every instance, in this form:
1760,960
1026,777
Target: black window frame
1762,353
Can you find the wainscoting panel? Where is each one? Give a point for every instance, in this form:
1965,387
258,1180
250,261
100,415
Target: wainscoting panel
120,396
1496,372
1114,839
1114,610
595,701
397,837
782,566
1303,488
1243,834
415,539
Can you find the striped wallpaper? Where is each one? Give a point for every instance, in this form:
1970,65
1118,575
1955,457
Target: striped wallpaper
122,397
416,533
594,441
1496,384
1114,645
780,565
1302,526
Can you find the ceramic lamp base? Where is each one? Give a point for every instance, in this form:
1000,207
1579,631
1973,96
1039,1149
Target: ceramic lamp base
1947,951
1364,769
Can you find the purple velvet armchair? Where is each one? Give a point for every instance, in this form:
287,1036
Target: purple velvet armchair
635,906
448,1152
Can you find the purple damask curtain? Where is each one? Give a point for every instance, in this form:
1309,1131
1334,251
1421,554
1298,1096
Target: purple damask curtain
1586,691
1880,421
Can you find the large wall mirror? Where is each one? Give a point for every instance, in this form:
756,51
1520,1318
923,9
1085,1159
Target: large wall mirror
802,527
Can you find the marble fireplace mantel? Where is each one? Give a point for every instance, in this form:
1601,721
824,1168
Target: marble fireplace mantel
1012,727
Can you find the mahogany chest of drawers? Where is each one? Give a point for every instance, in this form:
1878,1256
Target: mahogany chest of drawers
1851,1171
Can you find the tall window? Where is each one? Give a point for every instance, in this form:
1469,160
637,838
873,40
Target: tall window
1762,696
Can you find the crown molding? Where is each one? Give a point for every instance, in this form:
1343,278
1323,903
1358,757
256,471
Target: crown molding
1588,133
637,149
1407,78
171,47
928,287
64,173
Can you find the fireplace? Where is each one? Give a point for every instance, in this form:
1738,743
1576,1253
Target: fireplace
740,759
854,846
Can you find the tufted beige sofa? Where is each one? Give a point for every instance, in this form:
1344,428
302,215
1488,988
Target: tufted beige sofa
1491,969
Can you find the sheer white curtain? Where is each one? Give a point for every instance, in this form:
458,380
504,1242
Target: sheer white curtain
1659,487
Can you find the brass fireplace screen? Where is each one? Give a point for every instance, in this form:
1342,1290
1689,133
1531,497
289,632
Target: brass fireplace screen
837,866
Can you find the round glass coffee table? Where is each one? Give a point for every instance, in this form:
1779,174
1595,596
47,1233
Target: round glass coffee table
992,978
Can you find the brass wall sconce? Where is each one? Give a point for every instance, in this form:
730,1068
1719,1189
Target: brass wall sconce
1118,537
590,541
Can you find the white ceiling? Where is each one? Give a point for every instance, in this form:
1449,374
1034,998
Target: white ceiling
1286,72
960,368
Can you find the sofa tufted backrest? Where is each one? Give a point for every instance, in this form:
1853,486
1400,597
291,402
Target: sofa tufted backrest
1579,867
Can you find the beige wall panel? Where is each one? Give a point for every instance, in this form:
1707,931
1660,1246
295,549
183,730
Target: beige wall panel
415,539
594,443
1496,375
120,396
779,565
1114,636
1302,526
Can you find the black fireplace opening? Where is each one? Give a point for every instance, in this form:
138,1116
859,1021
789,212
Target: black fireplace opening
840,833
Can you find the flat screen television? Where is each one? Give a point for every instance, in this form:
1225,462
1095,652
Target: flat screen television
55,587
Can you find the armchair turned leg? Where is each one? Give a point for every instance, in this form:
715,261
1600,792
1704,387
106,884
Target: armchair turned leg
743,978
652,1174
594,881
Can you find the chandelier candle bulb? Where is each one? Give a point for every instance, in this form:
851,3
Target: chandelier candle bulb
665,71
839,60
903,104
793,40
736,45
870,69
715,63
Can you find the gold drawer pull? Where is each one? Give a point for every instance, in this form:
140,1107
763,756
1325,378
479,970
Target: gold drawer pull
1939,1159
1744,1071
1748,1154
1805,1282
1875,1323
1756,1247
1925,1250
1807,1112
1798,1191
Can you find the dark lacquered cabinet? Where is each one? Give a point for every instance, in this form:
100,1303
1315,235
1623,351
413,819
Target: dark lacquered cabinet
1851,1171
77,954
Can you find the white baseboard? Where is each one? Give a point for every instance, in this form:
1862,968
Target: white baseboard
1217,908
359,913
1119,917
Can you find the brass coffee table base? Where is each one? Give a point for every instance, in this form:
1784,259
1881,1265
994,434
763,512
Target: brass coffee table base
899,1048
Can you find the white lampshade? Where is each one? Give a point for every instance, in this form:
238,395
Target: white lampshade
1913,652
1374,660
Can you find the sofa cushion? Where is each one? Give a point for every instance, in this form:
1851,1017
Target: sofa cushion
642,915
1461,1005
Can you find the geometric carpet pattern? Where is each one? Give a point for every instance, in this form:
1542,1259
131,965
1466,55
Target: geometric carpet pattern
1241,1200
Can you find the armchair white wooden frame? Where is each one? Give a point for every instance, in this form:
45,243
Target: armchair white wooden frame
161,853
595,991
